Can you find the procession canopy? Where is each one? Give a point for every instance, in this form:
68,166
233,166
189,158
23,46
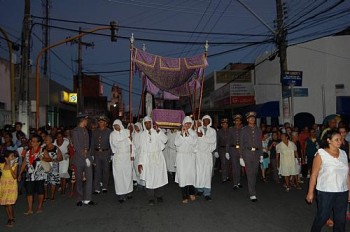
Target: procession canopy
174,76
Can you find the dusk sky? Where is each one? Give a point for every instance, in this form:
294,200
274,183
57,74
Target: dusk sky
172,28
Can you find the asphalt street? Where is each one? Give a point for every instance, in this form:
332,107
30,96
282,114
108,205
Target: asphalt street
275,211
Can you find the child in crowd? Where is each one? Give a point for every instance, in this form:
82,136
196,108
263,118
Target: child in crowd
8,186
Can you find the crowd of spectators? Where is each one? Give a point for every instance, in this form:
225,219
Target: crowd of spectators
288,154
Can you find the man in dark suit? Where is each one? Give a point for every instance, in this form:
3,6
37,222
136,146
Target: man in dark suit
82,161
235,151
100,149
251,150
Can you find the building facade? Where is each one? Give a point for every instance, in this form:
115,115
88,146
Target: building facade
228,90
325,87
116,104
5,93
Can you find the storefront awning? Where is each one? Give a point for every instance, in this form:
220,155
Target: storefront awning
343,104
267,109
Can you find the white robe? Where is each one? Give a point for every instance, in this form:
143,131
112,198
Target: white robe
136,141
186,158
170,152
121,162
204,158
152,159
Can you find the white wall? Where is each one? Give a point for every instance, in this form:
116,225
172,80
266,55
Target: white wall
5,92
324,62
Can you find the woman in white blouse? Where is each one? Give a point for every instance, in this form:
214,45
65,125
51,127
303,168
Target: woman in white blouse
286,153
330,176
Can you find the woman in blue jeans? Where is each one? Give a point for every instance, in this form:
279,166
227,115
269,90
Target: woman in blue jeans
330,176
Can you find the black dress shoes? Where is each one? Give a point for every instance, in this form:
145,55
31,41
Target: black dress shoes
91,203
199,194
226,180
160,199
79,203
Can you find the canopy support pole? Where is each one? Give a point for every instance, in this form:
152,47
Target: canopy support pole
189,95
130,77
206,46
194,110
142,100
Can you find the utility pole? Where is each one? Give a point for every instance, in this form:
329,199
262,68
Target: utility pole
80,104
113,27
281,42
281,35
45,28
24,104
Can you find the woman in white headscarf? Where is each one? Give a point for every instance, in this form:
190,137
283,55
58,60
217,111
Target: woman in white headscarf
185,143
121,160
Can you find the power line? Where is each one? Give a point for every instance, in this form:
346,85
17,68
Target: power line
138,94
55,54
219,18
156,40
164,7
291,26
154,17
207,22
303,8
10,34
323,52
320,34
200,20
162,41
240,48
152,29
251,67
318,21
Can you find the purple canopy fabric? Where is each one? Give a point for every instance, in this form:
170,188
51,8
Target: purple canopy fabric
154,91
175,76
174,94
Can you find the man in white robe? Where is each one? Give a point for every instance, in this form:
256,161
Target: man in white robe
136,140
170,152
121,161
186,145
204,157
152,166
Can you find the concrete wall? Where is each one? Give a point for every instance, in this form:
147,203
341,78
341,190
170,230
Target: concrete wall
325,62
5,93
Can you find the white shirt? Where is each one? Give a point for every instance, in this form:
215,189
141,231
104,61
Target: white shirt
333,174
